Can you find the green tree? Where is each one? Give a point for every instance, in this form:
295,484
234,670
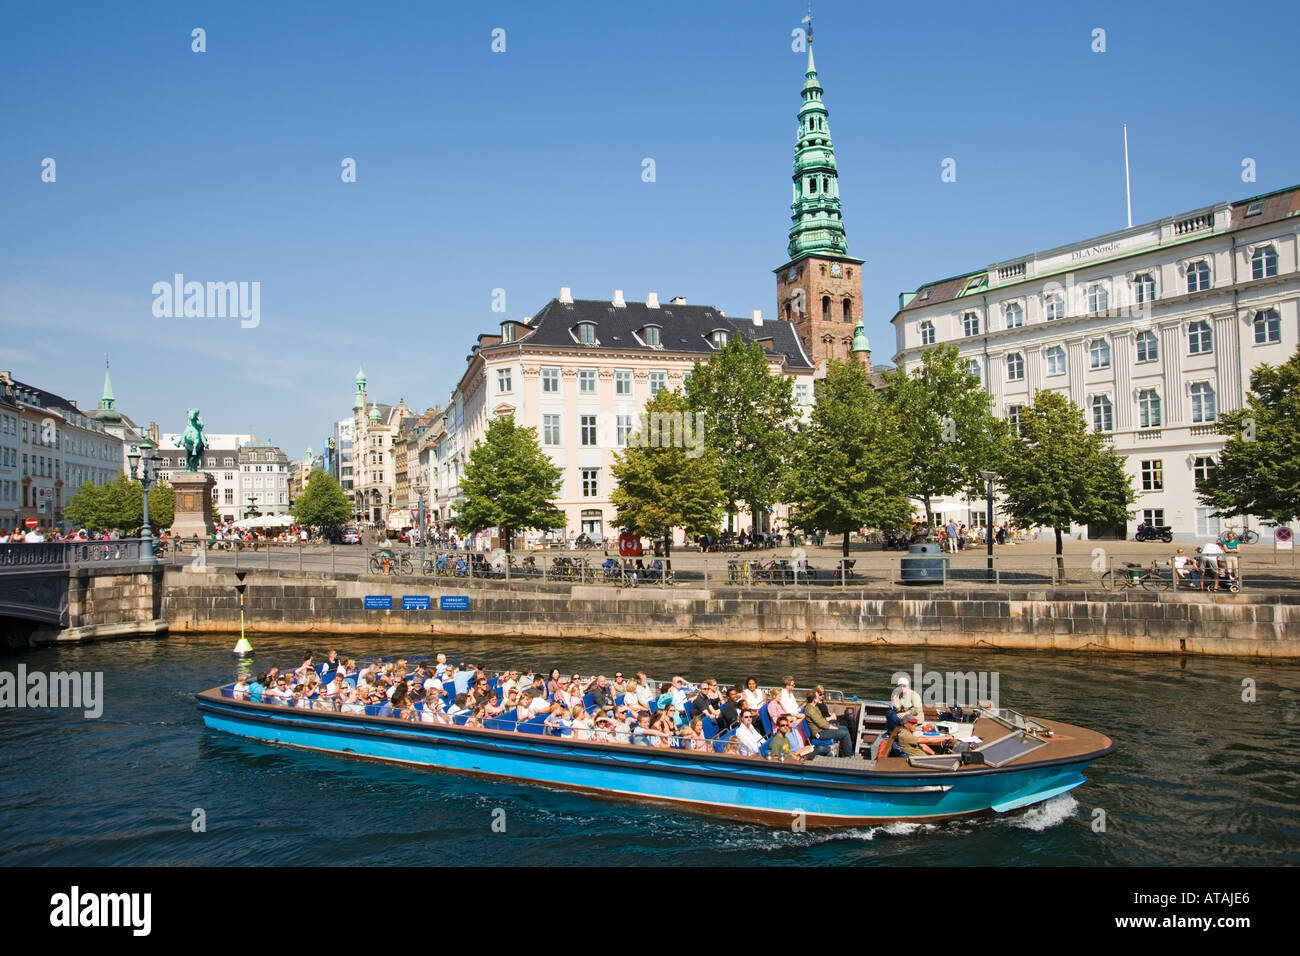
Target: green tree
848,469
322,503
85,508
120,504
1058,472
509,483
747,414
949,435
1258,471
162,505
666,484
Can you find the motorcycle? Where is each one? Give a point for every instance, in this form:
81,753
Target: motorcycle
1160,532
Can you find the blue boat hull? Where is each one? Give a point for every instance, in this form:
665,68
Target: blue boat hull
817,794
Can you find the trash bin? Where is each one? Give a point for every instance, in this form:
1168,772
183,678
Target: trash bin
924,564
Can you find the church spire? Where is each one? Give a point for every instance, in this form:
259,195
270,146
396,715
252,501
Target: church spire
817,226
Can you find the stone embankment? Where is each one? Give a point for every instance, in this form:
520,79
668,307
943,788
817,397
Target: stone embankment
1249,623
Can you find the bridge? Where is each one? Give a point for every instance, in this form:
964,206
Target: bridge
77,589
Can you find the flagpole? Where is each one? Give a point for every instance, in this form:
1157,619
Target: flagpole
1128,192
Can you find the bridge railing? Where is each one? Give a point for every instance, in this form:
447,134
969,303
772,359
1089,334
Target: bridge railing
66,555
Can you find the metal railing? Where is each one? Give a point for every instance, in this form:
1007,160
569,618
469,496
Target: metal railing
67,555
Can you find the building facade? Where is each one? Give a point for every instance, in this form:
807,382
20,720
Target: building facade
1153,330
580,372
375,429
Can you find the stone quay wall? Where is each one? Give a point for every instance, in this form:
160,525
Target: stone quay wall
1250,624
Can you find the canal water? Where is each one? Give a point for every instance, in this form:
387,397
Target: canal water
1199,775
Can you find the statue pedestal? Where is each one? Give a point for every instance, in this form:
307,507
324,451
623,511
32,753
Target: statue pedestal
193,504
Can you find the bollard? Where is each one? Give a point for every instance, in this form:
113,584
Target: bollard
300,557
268,555
331,559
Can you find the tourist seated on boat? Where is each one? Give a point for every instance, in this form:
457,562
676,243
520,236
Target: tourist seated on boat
665,721
272,676
305,668
729,715
256,688
277,691
558,724
915,744
785,743
630,697
788,700
583,724
460,706
754,697
707,700
680,690
603,727
692,735
625,721
539,705
478,692
433,711
644,692
775,709
646,736
492,706
601,694
351,703
906,701
332,663
507,682
749,737
240,690
440,667
325,702
824,732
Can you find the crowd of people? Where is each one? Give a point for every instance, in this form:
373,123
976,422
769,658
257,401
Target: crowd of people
623,709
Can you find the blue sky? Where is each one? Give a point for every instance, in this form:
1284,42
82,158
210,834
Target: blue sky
522,170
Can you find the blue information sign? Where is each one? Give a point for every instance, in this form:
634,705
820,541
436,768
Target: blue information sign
453,602
379,602
415,602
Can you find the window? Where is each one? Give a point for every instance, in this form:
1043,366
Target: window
550,429
1015,367
228,476
1202,403
588,423
1056,360
1055,308
550,381
650,335
973,366
1098,298
801,393
590,482
1099,354
1144,289
1013,417
503,380
826,308
1199,338
718,337
1263,262
1268,327
1154,516
587,333
970,323
229,498
623,426
1015,316
1148,347
1207,523
1153,475
586,380
1103,415
848,311
623,381
927,333
507,332
658,382
1198,277
1148,409
1202,468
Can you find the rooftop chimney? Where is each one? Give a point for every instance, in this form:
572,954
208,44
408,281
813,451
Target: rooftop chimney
757,316
678,300
652,300
566,295
618,299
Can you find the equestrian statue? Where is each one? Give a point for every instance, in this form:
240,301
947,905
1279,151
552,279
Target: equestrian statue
193,441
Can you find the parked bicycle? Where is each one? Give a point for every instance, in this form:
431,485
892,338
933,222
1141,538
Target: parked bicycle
398,562
1245,536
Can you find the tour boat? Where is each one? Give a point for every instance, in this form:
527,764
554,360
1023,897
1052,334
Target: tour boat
1007,761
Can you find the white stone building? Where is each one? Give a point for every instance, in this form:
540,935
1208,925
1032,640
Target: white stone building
1153,330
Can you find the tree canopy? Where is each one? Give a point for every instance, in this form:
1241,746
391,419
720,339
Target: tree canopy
948,433
1057,472
509,483
120,504
1258,471
662,483
747,414
848,467
322,503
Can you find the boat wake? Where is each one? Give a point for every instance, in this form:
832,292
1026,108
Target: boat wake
1044,816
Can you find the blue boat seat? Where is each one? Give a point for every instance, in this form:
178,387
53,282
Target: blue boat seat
766,721
533,725
460,719
710,727
762,749
689,708
720,744
588,701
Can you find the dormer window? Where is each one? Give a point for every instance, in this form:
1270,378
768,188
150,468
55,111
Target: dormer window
587,333
718,338
507,332
650,336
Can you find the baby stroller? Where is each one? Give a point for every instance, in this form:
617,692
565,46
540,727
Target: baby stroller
1225,581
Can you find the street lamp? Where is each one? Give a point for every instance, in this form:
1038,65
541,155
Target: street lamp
419,491
988,476
142,456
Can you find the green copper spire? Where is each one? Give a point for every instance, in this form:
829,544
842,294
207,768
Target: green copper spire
106,411
815,212
360,400
374,413
860,343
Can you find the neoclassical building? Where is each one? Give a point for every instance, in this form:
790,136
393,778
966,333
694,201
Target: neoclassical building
1153,330
580,372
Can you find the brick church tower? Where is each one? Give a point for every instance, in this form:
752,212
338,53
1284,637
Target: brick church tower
820,288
